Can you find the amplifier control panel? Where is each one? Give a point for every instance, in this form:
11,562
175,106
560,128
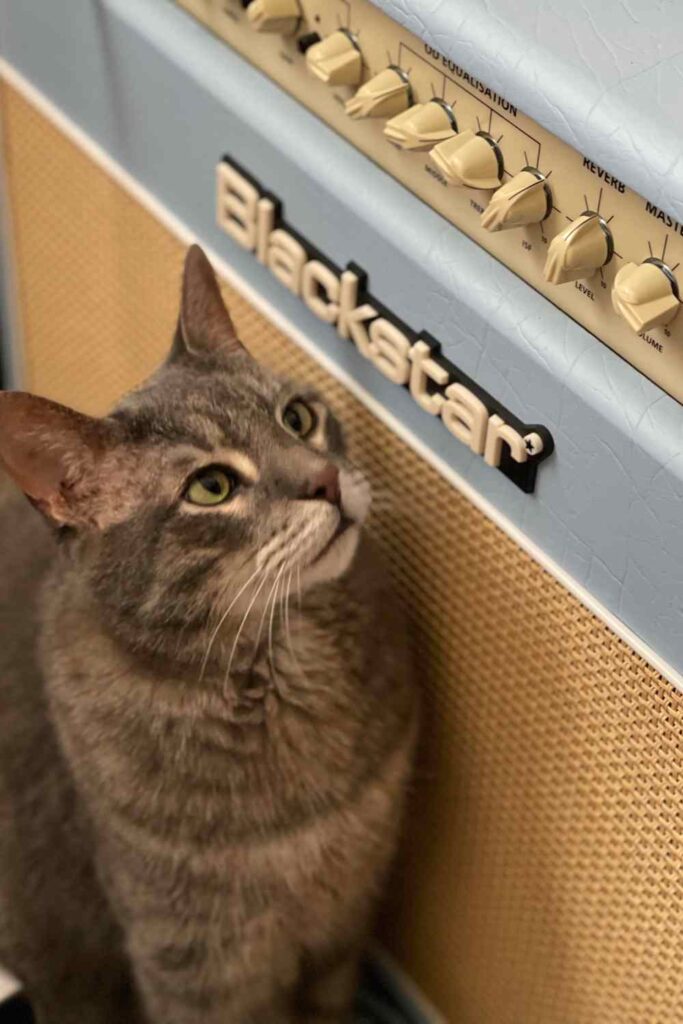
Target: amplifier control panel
606,256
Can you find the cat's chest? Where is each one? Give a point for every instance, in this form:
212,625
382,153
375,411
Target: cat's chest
204,766
210,769
313,866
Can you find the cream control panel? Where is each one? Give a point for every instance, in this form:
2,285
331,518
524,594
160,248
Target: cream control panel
606,256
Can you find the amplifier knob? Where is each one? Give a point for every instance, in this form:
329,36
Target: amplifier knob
422,126
336,60
274,15
646,295
469,159
579,250
386,94
525,199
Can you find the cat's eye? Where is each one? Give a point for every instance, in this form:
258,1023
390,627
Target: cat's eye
299,418
210,486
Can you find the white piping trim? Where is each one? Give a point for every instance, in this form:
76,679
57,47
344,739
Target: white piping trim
183,232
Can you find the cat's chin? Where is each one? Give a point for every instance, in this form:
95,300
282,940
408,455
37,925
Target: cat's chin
335,558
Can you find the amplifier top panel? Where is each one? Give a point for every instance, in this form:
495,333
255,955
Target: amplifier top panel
568,225
603,75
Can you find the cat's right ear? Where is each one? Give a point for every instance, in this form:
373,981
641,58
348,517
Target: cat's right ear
205,327
54,455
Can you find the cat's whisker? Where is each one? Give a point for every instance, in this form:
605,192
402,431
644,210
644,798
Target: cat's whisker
288,629
382,492
265,610
305,678
394,507
222,620
241,627
281,683
272,619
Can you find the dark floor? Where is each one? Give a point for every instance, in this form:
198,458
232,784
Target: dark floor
370,1011
16,1011
377,1003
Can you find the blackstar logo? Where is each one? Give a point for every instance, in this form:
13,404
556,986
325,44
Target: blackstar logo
254,219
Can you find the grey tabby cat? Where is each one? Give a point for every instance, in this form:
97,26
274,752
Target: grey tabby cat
207,720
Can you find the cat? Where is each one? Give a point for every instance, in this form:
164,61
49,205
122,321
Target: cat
208,710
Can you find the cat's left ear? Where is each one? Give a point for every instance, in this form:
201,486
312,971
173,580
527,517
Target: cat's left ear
204,325
54,455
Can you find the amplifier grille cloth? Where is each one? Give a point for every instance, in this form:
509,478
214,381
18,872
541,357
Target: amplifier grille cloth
541,877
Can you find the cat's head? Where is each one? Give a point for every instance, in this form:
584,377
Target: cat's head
207,487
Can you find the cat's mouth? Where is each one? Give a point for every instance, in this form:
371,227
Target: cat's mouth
343,526
339,539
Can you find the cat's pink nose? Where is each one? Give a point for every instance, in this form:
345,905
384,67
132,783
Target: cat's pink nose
324,486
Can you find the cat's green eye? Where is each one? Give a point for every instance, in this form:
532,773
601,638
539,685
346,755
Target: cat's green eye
210,487
299,418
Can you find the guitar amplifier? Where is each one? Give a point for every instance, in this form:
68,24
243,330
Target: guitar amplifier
462,221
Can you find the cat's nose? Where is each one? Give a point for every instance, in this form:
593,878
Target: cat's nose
324,485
